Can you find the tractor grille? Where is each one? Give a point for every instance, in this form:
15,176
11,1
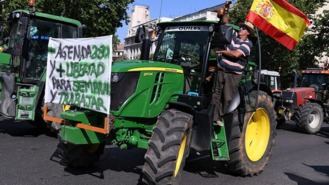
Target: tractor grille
123,88
288,98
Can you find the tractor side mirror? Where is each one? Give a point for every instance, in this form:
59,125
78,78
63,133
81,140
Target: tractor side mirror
140,34
82,29
20,32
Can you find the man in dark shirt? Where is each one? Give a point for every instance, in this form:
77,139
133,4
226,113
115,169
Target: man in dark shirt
231,64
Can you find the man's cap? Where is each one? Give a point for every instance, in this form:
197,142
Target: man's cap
250,27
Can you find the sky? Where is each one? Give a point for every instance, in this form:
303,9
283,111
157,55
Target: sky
170,8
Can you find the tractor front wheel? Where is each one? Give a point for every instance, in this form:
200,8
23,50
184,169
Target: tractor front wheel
250,142
309,117
168,148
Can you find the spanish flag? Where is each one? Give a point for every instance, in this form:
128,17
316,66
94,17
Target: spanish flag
280,20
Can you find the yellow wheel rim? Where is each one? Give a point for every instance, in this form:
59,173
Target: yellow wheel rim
257,134
180,156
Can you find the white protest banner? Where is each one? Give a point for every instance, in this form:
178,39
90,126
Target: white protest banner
79,72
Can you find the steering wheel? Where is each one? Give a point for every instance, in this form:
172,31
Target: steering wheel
188,61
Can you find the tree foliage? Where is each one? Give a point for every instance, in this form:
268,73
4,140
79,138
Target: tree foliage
101,17
275,56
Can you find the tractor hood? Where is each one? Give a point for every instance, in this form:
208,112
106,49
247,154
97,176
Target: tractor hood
144,65
299,95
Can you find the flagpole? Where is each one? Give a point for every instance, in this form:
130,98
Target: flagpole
259,65
160,10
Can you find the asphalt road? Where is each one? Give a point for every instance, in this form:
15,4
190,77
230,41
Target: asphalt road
25,160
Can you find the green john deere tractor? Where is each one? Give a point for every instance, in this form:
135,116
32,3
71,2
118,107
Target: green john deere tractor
23,61
164,106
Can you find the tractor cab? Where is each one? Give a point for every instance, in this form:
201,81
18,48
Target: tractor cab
308,103
193,46
186,45
23,59
271,79
316,78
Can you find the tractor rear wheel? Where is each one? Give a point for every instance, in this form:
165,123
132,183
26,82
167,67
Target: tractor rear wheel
250,142
79,156
168,148
309,117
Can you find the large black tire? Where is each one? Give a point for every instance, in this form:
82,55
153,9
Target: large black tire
309,117
79,156
241,163
166,155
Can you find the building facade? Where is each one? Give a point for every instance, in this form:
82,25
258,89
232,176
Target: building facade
133,49
139,15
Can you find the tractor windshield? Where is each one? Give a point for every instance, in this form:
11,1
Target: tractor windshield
318,80
37,43
183,45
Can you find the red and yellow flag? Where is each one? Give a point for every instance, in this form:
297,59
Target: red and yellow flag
280,20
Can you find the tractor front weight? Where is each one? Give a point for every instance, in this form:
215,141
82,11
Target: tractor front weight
80,129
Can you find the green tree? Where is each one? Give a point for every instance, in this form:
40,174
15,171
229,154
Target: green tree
101,17
276,56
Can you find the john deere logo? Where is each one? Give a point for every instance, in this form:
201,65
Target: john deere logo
265,9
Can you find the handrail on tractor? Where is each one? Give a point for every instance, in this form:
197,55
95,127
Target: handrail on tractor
105,130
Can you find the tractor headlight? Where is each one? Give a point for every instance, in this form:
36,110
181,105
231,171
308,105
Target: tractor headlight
116,77
289,101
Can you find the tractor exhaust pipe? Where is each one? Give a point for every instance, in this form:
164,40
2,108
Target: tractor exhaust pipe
142,35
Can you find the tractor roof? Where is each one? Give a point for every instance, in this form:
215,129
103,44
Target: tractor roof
52,17
316,71
187,23
194,23
270,73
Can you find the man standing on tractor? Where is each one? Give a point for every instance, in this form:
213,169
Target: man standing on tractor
231,63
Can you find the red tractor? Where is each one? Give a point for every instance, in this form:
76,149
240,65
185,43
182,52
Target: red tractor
307,104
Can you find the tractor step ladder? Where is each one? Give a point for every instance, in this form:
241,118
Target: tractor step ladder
219,147
27,103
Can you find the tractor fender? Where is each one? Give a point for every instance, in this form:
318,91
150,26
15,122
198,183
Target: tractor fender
251,86
264,88
202,125
182,107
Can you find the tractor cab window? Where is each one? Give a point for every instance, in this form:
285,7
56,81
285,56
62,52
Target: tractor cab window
315,80
183,45
16,36
69,31
13,34
38,36
39,33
